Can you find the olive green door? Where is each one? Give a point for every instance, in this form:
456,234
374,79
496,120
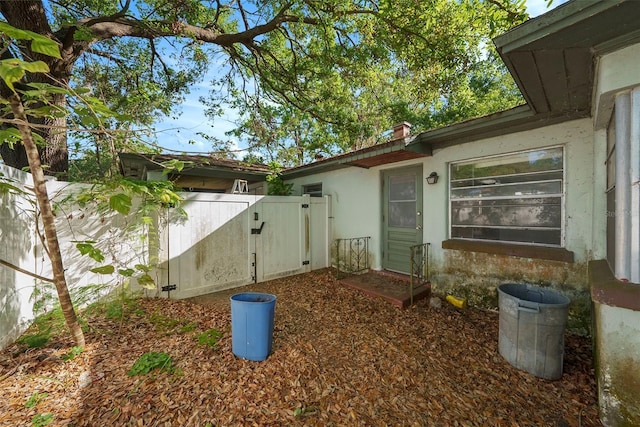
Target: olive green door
401,216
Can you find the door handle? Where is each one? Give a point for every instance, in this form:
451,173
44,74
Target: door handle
419,227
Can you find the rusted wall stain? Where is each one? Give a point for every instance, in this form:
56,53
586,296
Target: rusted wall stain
476,276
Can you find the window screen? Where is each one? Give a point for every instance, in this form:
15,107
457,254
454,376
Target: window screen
512,198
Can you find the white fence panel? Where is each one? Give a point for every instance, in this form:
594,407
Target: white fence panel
282,248
220,245
210,250
320,232
17,220
232,240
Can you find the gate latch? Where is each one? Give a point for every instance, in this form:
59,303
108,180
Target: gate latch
257,230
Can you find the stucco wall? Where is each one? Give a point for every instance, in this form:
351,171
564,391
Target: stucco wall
355,205
475,275
616,307
356,211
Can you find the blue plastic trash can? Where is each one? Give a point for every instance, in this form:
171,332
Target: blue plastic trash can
252,325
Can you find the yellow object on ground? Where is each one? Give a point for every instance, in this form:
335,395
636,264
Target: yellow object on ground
457,302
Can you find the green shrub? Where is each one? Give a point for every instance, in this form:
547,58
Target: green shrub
72,353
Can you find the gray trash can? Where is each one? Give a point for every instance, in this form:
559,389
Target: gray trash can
532,323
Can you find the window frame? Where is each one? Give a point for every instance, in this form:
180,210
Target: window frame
314,193
562,195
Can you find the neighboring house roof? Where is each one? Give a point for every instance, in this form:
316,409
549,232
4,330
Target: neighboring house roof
137,165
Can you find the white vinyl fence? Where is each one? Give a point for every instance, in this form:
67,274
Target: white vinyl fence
226,241
233,240
17,246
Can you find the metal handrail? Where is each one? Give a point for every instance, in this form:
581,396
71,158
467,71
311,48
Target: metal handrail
356,255
419,263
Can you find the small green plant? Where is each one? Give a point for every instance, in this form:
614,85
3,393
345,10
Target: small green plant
113,310
42,329
41,420
163,323
118,305
188,327
34,399
150,361
304,411
72,353
209,338
169,325
35,340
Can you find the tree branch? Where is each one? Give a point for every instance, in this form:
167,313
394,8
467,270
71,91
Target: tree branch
23,271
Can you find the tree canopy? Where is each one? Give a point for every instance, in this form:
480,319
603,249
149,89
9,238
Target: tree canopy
307,76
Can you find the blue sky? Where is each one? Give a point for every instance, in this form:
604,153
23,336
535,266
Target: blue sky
175,134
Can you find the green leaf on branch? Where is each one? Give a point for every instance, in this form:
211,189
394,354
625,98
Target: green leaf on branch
120,203
46,88
127,272
142,267
45,46
39,43
87,248
11,136
105,269
173,166
146,281
13,70
83,34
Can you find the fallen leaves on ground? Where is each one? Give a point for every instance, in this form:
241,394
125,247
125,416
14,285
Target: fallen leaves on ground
339,358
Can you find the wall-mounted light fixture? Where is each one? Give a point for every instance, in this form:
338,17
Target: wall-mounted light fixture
432,178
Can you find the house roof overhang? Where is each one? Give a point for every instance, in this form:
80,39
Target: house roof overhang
136,165
517,119
376,155
552,57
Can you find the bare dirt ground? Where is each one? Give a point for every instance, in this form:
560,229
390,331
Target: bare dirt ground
339,358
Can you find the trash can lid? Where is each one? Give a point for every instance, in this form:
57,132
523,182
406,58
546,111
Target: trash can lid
534,293
253,297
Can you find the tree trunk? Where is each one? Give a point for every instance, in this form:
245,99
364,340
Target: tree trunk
55,154
48,221
54,157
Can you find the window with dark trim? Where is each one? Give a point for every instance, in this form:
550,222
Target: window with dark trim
313,190
515,198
